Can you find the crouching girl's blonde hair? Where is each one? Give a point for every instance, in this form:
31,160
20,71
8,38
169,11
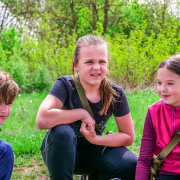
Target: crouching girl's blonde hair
106,91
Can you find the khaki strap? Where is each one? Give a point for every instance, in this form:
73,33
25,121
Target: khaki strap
170,146
157,163
153,171
84,100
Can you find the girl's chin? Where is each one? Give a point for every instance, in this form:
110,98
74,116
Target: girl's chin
94,84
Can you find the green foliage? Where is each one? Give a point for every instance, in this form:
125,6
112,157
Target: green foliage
140,36
41,79
136,58
13,59
3,57
35,64
10,38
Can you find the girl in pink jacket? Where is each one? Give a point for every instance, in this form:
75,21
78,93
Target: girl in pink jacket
161,124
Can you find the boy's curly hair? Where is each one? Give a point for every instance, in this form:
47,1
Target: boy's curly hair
8,88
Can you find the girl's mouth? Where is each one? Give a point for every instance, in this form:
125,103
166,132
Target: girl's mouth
95,75
165,96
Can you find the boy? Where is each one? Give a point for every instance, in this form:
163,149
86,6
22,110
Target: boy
8,92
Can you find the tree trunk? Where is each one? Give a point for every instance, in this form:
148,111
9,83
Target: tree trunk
106,9
94,14
74,19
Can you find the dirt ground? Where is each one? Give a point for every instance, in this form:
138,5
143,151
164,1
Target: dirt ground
33,168
26,168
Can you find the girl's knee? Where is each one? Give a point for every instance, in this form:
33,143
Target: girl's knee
128,164
129,160
122,159
59,140
62,130
63,133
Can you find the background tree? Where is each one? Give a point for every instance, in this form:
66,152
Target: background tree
43,38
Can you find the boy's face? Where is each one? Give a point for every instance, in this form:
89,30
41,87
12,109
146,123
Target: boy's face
5,111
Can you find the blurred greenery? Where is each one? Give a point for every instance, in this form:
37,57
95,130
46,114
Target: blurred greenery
39,47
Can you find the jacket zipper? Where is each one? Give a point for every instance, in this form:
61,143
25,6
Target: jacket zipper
174,120
174,117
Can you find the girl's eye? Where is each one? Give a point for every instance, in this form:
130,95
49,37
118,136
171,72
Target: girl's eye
102,62
88,62
170,84
159,83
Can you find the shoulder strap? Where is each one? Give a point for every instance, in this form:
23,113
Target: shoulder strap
170,146
84,100
157,163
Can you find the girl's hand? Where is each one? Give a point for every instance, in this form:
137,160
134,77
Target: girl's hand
88,119
88,131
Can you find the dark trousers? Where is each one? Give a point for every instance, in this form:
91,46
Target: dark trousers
168,177
65,155
6,160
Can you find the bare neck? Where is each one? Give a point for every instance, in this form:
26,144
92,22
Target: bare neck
92,93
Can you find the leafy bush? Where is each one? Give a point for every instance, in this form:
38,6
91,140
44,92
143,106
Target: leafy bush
41,79
13,59
136,59
35,64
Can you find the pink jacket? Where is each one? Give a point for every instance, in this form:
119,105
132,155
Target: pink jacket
166,121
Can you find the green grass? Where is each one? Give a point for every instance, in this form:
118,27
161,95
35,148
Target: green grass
138,103
21,133
20,129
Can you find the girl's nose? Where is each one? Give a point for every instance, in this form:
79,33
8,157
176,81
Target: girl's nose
163,88
96,67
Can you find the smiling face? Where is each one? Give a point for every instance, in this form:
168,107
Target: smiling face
5,111
92,65
168,86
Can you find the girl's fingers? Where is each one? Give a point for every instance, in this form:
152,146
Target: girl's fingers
91,129
83,126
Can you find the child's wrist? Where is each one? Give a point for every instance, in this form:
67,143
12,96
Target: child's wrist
84,114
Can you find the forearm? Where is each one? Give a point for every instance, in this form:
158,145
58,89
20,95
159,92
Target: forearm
114,140
125,136
145,159
54,117
148,142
